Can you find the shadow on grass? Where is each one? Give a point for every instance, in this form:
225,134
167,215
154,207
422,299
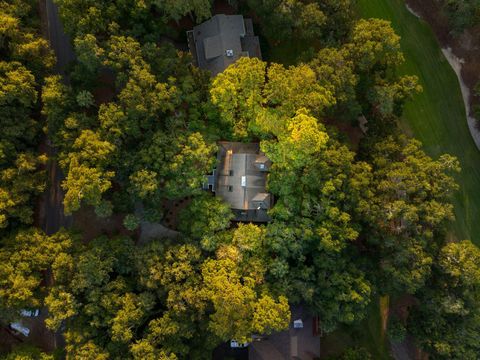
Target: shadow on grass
367,334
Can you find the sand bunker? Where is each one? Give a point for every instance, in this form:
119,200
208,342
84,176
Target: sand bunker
456,64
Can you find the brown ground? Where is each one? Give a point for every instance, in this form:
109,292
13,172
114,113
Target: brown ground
172,209
92,226
8,340
105,89
39,336
352,133
465,46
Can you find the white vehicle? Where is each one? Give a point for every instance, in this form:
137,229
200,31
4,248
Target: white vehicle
20,328
30,313
234,344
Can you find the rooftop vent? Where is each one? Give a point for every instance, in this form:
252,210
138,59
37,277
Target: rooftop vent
298,324
229,52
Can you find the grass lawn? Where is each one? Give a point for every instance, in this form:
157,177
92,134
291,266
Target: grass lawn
437,116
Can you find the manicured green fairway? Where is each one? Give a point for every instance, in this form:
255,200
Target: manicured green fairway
437,116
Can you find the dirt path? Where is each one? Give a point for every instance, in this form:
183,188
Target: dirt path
461,52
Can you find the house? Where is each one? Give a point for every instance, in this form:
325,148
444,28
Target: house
240,179
222,40
300,342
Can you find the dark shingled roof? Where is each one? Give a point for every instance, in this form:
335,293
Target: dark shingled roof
222,40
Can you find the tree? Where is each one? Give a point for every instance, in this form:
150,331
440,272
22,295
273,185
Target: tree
144,183
19,41
203,217
89,149
357,353
257,100
181,165
19,183
447,319
237,92
294,88
56,100
375,44
409,207
143,350
186,173
131,302
93,287
175,9
85,99
335,70
84,184
318,187
173,273
87,178
88,351
25,256
27,352
17,100
462,13
396,329
62,306
131,222
303,138
89,53
282,20
104,209
238,310
387,97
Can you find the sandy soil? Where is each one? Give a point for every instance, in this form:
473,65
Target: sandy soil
413,12
91,226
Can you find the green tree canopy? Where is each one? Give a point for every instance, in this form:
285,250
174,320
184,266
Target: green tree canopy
447,320
409,206
25,257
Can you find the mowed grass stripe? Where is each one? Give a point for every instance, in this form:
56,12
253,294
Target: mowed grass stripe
437,116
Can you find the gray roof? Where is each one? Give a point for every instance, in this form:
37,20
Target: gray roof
222,40
213,47
240,183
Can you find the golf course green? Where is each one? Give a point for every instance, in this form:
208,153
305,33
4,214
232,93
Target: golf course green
436,116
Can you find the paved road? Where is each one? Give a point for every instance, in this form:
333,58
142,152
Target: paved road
54,217
62,46
59,41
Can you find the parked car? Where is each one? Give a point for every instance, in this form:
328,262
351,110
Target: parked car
30,313
234,344
19,328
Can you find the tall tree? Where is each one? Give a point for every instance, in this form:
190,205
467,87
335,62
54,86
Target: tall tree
319,187
446,322
409,206
25,257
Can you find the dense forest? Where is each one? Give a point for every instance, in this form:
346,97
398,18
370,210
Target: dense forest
135,125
